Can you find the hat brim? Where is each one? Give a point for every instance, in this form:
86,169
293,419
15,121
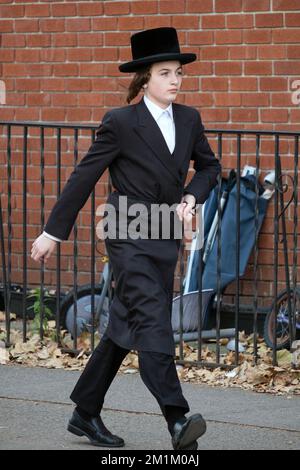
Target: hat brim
134,65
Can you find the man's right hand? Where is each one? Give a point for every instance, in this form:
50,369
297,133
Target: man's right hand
42,248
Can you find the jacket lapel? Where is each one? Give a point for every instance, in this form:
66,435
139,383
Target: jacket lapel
148,129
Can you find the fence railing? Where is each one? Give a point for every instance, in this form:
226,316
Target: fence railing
251,225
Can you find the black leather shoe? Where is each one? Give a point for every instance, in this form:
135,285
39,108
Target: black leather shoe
186,431
94,429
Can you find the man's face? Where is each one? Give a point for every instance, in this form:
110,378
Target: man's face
165,82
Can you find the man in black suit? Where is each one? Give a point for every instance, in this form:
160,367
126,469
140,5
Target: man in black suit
147,148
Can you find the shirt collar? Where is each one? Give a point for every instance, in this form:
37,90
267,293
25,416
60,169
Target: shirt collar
156,110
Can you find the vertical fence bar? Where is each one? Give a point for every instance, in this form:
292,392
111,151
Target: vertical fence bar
9,228
75,252
295,235
237,266
181,300
275,254
93,259
255,264
24,307
219,255
42,312
58,253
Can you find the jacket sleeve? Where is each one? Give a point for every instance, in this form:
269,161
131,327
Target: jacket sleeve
206,165
105,148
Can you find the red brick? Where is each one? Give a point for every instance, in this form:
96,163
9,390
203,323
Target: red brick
52,25
65,99
38,40
6,26
214,83
116,8
27,26
214,115
228,37
7,55
27,55
37,10
79,54
90,9
198,99
101,24
169,6
293,52
157,21
104,84
281,100
258,68
274,115
144,8
228,68
228,5
200,37
292,19
242,52
90,99
285,5
63,9
53,114
286,35
243,84
287,68
12,11
53,55
87,70
185,22
273,84
272,20
13,40
65,39
78,24
27,84
240,21
116,39
105,53
213,21
214,52
227,99
256,5
194,6
90,39
130,23
255,99
38,99
78,84
199,68
271,52
53,84
257,36
244,115
66,70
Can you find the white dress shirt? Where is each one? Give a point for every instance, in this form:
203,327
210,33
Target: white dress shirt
165,121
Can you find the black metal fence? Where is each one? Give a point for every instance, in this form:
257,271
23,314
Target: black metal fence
262,151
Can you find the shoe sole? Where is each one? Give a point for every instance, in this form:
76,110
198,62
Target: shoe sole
194,429
78,432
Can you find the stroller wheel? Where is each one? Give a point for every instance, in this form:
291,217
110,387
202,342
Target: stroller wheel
283,339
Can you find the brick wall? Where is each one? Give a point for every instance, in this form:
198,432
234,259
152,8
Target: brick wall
59,62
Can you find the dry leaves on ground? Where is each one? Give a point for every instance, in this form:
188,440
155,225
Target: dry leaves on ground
261,377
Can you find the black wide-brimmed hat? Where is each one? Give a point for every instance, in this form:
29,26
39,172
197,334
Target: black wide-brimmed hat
155,45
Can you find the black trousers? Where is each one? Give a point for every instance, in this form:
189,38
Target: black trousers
157,371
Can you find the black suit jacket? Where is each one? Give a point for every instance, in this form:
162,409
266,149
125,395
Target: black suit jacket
130,143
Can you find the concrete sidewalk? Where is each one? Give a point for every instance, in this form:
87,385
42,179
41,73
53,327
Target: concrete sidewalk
35,408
